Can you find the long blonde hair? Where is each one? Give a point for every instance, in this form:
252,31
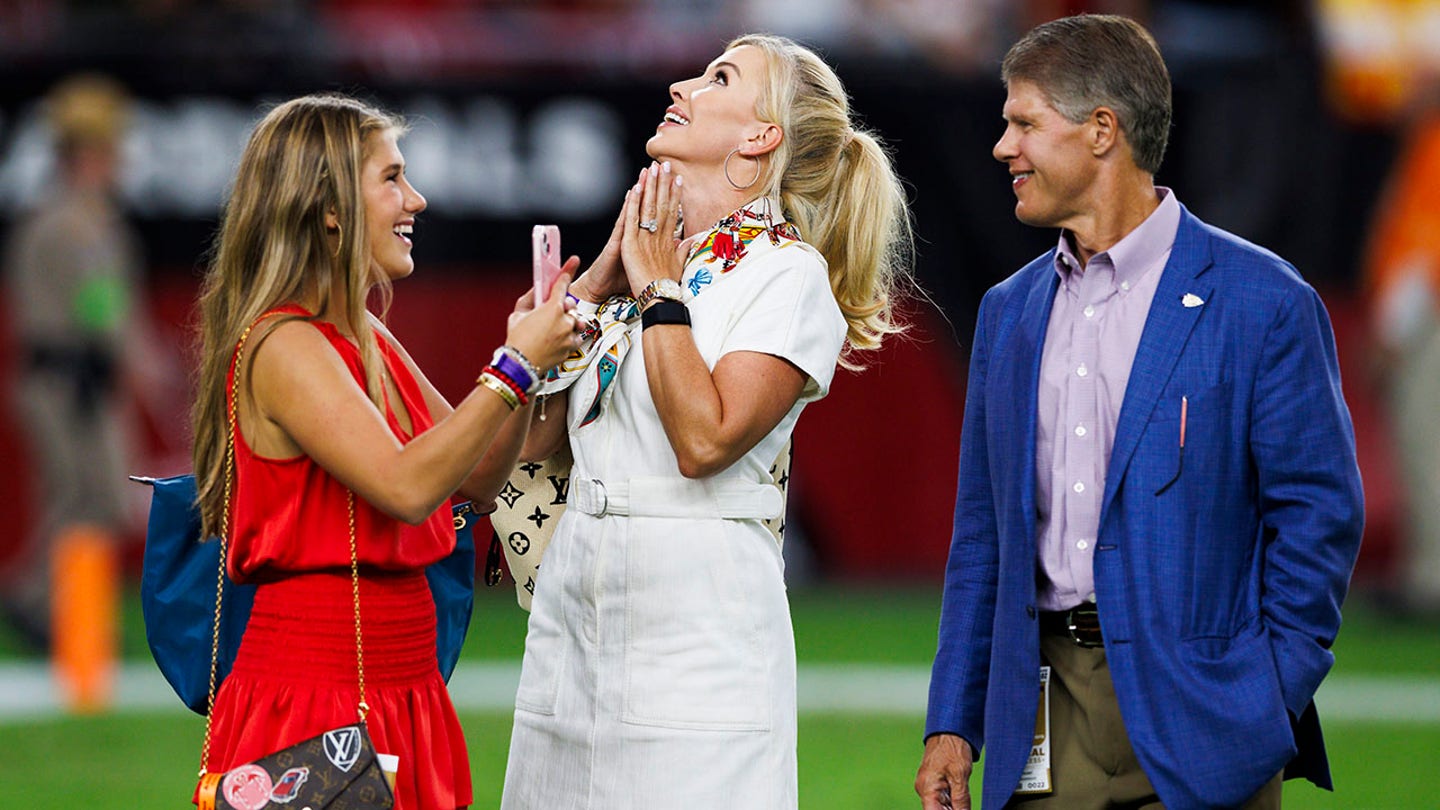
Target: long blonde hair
303,160
838,186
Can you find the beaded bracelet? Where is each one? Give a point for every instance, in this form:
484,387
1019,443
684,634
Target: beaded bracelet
505,391
509,381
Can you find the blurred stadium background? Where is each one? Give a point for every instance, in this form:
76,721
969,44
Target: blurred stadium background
1289,118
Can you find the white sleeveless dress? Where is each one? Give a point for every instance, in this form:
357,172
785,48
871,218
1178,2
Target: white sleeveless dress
659,664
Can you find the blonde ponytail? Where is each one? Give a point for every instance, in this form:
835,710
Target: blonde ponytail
838,186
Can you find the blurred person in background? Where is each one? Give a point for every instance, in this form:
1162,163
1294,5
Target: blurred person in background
342,453
659,665
1159,505
1402,283
1235,60
76,297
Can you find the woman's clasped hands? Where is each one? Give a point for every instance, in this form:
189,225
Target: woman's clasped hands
649,247
642,246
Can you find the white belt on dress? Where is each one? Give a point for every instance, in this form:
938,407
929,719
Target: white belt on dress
729,498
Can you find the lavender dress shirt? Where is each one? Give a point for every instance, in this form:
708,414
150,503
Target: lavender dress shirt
1095,325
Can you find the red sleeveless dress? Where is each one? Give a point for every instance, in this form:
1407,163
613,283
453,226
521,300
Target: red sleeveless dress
295,674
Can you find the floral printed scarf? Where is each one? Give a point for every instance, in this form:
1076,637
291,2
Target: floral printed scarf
592,368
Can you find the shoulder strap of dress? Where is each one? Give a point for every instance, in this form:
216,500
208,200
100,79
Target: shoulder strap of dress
283,309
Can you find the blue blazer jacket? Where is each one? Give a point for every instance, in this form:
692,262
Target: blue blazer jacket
1219,596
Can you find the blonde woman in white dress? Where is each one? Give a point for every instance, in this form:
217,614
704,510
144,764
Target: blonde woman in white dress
759,250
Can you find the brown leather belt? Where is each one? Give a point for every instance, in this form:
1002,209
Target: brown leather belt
1080,624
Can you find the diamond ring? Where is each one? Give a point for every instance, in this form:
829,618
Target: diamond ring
650,225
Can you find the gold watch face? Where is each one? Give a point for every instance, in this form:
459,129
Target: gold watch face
661,288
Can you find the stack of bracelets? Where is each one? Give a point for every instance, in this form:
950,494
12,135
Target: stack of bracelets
510,375
662,302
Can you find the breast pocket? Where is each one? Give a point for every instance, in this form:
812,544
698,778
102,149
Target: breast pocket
1186,426
694,653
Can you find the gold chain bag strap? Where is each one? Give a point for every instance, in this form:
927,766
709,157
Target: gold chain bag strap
336,770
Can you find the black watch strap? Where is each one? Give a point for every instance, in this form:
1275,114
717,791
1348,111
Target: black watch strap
665,311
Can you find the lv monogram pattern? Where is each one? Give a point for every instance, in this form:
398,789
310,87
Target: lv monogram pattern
530,506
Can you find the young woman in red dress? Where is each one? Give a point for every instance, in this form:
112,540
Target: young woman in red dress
337,433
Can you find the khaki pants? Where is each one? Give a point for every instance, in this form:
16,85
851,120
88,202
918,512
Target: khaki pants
1093,766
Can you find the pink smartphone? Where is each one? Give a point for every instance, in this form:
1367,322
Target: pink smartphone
545,250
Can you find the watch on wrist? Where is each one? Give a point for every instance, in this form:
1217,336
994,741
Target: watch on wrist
660,288
665,311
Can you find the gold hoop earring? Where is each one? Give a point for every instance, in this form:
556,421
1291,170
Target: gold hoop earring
339,239
726,167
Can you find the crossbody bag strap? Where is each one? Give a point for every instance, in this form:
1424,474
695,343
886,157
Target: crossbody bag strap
363,708
224,545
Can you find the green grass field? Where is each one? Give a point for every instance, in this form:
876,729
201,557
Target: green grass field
865,762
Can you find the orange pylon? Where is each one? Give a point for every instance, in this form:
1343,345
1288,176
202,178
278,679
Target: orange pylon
84,594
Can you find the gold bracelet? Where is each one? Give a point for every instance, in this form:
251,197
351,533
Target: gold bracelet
500,388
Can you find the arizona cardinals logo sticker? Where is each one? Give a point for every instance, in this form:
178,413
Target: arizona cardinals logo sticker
246,787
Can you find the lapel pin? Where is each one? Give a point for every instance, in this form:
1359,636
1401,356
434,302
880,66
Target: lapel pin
1192,300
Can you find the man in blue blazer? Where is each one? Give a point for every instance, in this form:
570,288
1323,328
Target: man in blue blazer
1158,497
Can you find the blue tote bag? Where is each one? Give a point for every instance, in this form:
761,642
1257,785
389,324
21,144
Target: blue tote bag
177,593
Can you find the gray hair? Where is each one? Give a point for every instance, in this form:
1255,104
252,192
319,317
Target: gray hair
1088,61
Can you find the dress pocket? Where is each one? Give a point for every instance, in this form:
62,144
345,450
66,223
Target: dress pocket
695,656
547,641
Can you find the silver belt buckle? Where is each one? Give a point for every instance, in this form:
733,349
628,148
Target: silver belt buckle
590,496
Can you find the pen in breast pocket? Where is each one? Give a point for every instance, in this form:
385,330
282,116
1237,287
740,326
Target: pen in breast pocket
1180,463
1184,411
1184,407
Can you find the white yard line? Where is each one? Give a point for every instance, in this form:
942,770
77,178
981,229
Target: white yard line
27,691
